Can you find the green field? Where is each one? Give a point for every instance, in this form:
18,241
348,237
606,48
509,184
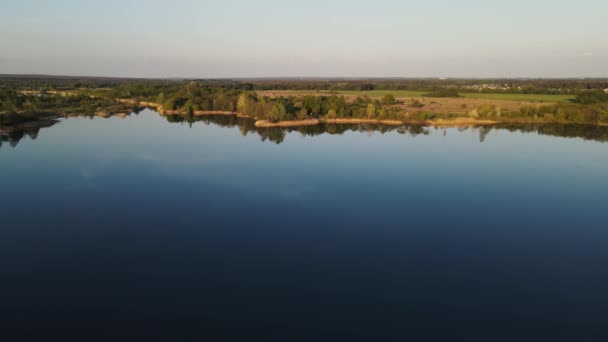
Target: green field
409,94
520,97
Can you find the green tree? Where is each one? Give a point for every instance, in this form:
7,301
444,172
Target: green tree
371,111
302,114
160,98
388,100
278,112
243,103
188,107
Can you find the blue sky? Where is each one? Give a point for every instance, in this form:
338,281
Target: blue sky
231,38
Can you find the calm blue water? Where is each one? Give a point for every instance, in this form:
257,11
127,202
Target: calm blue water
139,227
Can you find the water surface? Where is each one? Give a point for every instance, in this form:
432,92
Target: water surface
145,227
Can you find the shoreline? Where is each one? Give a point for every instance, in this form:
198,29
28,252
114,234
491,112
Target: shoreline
455,122
363,121
441,122
314,122
288,123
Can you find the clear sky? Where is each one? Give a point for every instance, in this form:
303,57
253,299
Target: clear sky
263,38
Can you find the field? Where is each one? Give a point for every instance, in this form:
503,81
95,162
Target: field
400,94
440,105
520,97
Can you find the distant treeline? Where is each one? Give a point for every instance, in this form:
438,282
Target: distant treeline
513,86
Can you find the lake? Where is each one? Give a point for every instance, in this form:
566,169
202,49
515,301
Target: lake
147,226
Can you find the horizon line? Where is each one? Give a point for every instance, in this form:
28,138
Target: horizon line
353,78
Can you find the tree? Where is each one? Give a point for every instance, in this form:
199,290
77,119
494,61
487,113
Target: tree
367,86
278,112
416,103
189,107
242,105
388,100
591,97
303,114
371,111
160,98
312,104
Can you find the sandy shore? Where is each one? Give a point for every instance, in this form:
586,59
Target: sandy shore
461,122
212,112
364,121
290,123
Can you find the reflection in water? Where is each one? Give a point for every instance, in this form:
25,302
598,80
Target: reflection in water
13,134
277,134
587,132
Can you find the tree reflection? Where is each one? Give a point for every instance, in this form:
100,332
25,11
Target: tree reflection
483,132
13,134
279,134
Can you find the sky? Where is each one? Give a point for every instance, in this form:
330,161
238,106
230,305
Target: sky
312,38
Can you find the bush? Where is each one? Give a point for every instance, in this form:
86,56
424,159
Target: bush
388,100
416,104
591,97
278,112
